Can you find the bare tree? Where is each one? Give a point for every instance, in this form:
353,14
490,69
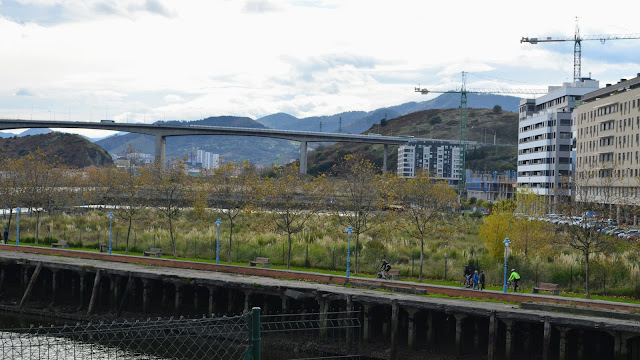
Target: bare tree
291,199
232,188
425,201
356,197
166,188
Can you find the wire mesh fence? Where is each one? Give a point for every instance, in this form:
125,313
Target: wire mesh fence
326,335
172,338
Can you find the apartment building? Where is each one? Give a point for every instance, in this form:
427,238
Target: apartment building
607,128
491,186
439,157
545,139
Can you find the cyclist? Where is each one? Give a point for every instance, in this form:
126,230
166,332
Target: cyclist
515,277
385,268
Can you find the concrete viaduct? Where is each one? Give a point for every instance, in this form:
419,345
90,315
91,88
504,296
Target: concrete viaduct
161,132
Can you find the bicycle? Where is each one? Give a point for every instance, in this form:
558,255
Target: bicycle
466,282
511,285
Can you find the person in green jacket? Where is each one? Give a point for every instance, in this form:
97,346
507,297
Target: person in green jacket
515,277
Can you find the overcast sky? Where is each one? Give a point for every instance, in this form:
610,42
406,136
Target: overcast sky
148,60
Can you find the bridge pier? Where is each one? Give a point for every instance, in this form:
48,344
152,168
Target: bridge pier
161,148
384,158
303,157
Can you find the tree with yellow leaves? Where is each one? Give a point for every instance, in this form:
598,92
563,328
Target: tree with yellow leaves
496,227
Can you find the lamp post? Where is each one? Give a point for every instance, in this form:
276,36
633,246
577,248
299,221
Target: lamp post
218,222
110,227
506,249
349,231
18,225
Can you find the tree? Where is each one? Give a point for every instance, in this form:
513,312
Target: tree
166,188
233,189
40,183
495,227
529,231
425,200
497,109
291,199
356,199
124,189
584,235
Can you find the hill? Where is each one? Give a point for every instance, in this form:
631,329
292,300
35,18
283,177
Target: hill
356,122
68,149
482,126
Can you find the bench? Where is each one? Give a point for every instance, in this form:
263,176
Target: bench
104,248
260,260
60,243
157,252
546,287
394,274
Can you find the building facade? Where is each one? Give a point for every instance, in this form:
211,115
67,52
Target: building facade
607,126
491,186
441,158
545,139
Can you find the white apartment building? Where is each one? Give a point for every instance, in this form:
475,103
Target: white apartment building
439,157
607,128
545,139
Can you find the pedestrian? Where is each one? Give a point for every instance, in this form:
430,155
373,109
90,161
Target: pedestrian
482,279
6,235
475,280
467,276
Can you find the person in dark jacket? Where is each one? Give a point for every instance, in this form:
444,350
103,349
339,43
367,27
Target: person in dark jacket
482,280
6,235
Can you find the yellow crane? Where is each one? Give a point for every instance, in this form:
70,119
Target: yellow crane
577,46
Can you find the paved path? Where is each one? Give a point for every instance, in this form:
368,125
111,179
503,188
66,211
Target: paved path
276,277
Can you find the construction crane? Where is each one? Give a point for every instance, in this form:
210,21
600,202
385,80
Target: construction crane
577,47
463,116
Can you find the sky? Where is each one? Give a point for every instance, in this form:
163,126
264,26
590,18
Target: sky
149,60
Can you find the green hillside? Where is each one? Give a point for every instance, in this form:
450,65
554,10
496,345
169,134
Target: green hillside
482,125
68,149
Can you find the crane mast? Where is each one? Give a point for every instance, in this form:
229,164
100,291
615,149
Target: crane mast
577,45
463,117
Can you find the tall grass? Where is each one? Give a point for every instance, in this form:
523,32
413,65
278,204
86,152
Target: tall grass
323,245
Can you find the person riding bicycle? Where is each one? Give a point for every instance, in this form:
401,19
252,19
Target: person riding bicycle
515,277
385,268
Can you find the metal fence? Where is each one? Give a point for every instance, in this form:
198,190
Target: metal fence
330,335
172,338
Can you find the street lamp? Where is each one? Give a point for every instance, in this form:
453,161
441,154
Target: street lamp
506,249
218,222
18,225
349,231
110,227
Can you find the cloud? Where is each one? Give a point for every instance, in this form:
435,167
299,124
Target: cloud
259,7
53,12
173,98
25,92
305,69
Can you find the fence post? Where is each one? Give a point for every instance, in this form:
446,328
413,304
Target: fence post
253,352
